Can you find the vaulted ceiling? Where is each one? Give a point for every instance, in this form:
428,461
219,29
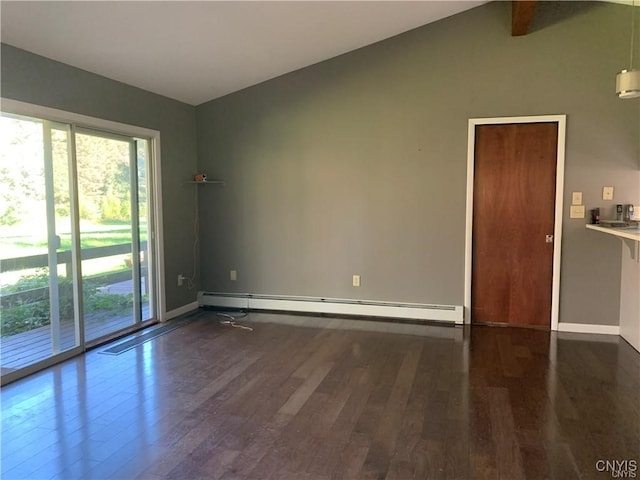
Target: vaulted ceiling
197,51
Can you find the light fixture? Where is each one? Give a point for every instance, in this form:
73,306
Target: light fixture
628,81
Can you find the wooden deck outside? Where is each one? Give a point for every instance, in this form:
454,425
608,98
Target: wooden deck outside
23,349
27,348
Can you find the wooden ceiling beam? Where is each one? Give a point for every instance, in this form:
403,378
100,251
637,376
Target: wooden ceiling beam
521,16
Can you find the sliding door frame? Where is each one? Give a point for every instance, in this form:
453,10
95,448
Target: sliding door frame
78,122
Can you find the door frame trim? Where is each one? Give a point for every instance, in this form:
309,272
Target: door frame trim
561,120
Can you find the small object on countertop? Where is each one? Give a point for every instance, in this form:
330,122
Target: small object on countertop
628,212
618,212
200,177
595,216
613,223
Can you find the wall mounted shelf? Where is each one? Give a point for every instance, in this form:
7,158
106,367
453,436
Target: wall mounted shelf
631,233
628,235
209,182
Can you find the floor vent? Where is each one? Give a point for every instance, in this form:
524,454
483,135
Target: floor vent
150,335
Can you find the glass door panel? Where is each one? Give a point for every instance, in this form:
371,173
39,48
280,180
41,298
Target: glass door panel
57,153
37,315
105,233
112,253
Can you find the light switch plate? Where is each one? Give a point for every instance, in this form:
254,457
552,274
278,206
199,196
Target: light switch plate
576,198
607,193
577,211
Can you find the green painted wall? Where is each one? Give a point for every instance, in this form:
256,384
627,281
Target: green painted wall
357,165
38,80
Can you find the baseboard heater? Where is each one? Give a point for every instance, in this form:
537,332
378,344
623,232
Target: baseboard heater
418,311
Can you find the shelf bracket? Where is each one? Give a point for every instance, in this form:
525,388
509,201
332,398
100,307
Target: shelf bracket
634,248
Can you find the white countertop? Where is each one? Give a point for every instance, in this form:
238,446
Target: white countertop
629,233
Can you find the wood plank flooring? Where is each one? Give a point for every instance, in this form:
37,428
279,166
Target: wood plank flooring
318,398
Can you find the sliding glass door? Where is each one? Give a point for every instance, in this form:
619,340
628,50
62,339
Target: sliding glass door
38,313
76,263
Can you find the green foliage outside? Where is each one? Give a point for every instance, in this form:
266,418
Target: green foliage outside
28,314
104,234
104,173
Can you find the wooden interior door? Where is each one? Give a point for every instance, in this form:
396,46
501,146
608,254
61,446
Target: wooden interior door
513,213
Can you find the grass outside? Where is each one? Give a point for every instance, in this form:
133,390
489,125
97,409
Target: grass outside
28,238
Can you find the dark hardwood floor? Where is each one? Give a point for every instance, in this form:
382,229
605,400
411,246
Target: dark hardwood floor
330,399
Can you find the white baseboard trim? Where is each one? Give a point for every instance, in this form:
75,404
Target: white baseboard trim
189,307
589,328
335,306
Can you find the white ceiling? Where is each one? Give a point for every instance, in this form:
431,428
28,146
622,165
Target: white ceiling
198,51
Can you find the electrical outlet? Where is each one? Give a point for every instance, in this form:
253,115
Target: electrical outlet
180,280
233,275
356,280
607,193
